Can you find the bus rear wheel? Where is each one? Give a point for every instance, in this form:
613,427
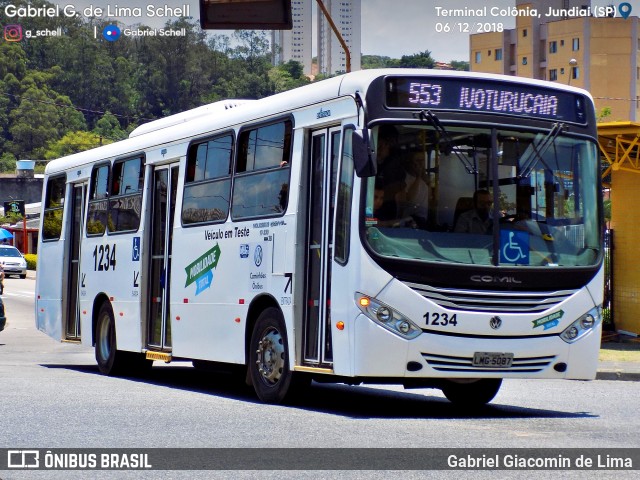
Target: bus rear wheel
110,360
269,357
469,394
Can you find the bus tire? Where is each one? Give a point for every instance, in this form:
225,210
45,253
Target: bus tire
269,357
110,360
472,394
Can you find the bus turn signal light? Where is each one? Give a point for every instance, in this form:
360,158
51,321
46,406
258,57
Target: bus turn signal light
364,301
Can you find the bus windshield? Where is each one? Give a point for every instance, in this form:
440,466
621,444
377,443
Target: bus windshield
483,196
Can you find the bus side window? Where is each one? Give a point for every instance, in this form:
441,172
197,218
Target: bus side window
98,203
345,191
53,208
261,186
125,199
208,181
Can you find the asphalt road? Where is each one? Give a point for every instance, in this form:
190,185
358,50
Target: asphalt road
54,397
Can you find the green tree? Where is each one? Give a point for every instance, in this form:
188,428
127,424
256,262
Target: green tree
459,65
73,142
13,60
7,163
603,114
33,124
108,127
418,60
378,61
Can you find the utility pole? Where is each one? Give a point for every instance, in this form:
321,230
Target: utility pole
338,35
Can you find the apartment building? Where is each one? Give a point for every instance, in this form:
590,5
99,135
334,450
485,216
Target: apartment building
299,44
576,47
347,16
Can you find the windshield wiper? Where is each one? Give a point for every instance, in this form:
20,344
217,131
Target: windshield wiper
536,150
430,117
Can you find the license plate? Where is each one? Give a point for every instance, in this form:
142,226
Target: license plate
492,359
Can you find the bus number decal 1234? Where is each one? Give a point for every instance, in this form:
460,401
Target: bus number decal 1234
104,258
441,319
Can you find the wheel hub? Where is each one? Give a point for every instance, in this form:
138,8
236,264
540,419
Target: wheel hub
270,360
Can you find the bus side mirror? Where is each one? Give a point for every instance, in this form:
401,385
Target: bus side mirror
364,158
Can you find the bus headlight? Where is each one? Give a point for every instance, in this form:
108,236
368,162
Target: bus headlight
387,317
581,326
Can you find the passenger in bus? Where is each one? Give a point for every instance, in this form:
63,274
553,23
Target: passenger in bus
413,199
388,157
385,210
478,219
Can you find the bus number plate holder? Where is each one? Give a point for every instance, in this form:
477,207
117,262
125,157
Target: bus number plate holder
492,359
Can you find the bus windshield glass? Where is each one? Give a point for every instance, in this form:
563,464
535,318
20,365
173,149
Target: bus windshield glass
483,196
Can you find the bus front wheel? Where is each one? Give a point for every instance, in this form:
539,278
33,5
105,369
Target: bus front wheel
475,393
109,359
269,357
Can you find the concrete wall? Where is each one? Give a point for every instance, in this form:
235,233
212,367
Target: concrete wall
27,189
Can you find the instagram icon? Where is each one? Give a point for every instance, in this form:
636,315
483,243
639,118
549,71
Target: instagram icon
13,33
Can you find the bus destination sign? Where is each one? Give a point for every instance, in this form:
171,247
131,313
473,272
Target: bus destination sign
441,93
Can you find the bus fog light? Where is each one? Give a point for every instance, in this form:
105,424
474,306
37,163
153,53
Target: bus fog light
587,321
571,333
404,327
383,314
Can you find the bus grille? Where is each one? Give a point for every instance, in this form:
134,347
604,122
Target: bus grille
446,363
491,301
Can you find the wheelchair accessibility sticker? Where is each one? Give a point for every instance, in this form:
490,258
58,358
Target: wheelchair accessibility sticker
514,247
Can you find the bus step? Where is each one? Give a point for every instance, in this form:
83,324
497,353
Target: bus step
163,356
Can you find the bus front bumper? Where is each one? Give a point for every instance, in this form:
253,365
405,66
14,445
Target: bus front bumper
380,353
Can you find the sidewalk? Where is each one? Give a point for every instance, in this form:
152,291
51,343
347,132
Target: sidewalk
619,369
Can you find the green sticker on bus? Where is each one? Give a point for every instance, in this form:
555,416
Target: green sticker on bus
201,270
549,321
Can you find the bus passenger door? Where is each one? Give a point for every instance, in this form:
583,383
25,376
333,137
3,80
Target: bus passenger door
72,309
317,347
165,182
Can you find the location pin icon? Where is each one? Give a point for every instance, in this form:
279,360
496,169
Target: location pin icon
625,10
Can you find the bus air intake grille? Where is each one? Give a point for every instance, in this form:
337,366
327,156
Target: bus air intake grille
492,301
446,363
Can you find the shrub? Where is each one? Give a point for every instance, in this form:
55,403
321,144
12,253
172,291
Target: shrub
31,259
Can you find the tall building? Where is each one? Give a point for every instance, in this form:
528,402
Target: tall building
347,16
599,54
296,44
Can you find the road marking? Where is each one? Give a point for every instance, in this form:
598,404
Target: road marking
18,294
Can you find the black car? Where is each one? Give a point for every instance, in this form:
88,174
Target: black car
3,319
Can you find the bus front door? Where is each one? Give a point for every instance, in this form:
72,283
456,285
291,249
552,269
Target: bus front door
72,308
165,182
317,342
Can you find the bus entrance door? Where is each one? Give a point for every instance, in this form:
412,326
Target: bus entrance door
317,348
165,182
72,327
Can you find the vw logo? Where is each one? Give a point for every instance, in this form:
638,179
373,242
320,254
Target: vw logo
257,256
495,323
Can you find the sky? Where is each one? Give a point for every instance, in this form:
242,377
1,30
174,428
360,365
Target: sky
390,28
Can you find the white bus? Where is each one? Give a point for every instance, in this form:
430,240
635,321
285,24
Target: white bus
427,228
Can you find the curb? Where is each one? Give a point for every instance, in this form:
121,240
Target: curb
618,375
